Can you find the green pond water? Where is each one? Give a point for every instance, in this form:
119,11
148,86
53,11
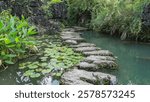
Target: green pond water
133,58
14,76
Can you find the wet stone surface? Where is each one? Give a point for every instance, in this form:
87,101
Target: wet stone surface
88,71
82,77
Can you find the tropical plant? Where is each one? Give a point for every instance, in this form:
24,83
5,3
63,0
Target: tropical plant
14,37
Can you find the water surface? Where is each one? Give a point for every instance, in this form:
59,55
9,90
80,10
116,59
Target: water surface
133,58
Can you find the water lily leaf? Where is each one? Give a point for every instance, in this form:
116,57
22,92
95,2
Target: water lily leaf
58,74
43,64
49,66
43,58
36,75
36,63
45,71
28,73
32,66
38,70
46,55
22,67
9,62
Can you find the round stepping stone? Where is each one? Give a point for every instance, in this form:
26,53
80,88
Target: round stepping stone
82,77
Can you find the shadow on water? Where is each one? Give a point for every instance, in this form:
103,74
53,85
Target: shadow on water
133,58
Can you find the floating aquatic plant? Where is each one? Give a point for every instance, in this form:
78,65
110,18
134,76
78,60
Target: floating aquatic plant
54,59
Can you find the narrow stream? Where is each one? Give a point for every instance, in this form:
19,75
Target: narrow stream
133,58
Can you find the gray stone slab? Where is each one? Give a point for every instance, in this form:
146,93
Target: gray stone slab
74,38
83,45
99,52
93,58
82,77
85,49
88,66
106,64
72,42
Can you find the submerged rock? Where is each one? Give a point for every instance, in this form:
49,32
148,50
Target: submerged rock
99,52
81,77
47,80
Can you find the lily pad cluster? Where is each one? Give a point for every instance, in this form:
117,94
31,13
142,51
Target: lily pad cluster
53,59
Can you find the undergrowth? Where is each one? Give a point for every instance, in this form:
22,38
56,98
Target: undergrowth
15,38
118,17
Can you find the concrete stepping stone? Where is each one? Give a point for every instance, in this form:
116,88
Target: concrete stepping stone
72,42
79,39
88,66
93,58
99,52
106,64
83,45
82,77
84,49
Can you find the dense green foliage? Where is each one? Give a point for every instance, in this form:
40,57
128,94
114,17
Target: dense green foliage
122,17
14,37
47,6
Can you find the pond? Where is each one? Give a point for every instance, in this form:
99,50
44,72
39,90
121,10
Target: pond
15,76
133,58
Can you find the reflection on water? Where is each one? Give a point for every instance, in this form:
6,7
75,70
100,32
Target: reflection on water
13,76
133,58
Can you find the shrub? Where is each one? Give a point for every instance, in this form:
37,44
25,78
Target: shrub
14,37
122,17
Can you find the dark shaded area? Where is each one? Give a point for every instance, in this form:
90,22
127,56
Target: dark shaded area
146,18
32,9
59,10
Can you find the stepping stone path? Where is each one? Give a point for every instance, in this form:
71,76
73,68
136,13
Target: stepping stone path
88,72
82,77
